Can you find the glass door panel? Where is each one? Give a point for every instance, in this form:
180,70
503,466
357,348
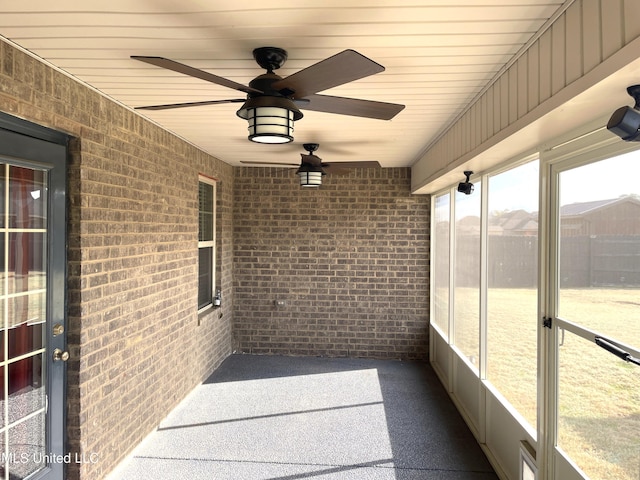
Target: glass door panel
32,300
23,308
599,228
598,394
598,410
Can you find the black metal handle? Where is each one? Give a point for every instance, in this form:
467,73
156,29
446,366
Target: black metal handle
617,351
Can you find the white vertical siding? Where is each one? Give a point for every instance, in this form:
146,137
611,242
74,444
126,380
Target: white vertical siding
484,113
574,56
592,45
612,27
521,85
580,39
532,84
513,93
631,9
544,66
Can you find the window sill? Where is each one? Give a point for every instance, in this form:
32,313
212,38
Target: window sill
208,312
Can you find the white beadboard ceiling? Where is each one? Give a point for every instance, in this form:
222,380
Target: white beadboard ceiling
438,54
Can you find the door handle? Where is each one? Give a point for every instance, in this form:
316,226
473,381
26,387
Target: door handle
60,356
617,351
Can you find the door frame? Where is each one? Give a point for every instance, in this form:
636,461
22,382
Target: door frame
567,153
34,146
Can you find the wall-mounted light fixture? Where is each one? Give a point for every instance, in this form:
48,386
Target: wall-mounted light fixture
625,121
466,187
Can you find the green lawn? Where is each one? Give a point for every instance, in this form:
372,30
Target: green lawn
599,394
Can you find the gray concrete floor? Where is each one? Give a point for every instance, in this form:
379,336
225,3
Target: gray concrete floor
287,418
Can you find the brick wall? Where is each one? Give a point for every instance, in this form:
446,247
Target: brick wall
137,345
349,259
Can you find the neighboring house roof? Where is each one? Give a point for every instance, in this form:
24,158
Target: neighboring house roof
521,222
580,208
515,221
469,220
530,226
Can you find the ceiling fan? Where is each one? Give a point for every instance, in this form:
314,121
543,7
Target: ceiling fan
272,102
312,168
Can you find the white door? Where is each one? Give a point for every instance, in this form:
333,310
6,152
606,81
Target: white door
595,326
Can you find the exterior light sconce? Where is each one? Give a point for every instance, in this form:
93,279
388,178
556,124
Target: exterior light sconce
466,187
625,121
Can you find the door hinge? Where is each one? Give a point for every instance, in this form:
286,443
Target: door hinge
546,322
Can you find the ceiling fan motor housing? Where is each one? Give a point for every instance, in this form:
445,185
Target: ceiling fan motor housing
310,147
269,97
270,58
264,83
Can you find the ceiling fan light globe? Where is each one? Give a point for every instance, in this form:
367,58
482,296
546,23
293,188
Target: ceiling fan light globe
270,138
270,119
310,178
270,125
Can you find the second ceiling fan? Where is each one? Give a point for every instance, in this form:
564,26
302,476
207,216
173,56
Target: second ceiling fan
312,168
273,103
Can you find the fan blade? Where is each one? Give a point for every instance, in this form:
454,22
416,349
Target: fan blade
194,72
352,106
190,104
270,163
336,170
370,164
311,160
341,68
343,168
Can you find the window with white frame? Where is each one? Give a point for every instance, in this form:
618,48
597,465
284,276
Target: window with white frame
512,286
206,241
466,274
441,274
507,302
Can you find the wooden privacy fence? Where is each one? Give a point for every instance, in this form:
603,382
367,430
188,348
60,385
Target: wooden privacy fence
600,261
585,261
